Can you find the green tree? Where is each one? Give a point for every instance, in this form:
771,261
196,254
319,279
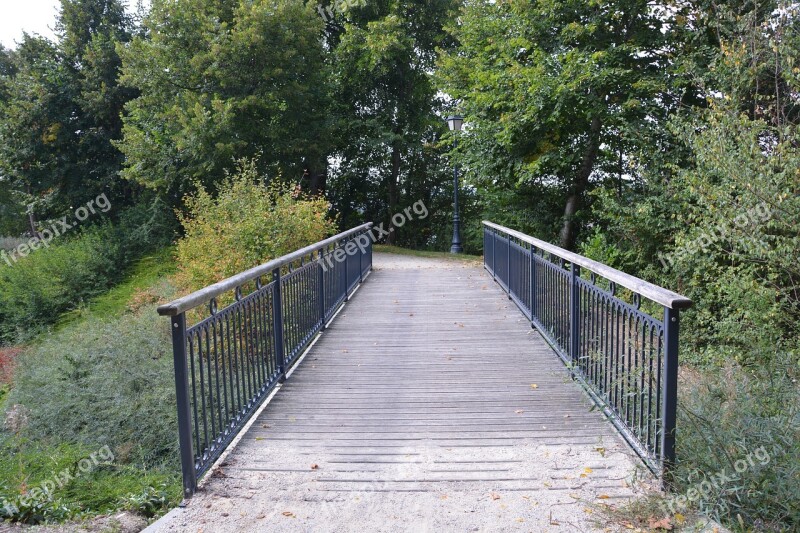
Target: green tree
223,80
60,111
388,112
561,94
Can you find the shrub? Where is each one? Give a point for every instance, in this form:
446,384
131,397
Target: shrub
103,382
726,414
36,290
27,466
247,224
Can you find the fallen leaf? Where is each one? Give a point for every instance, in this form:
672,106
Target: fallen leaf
588,470
495,496
520,520
603,497
519,411
664,523
288,513
534,386
680,519
314,466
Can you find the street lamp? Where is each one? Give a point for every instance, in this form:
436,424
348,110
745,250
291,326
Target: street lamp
455,122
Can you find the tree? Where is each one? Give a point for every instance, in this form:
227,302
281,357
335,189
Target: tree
222,80
60,110
37,121
387,107
565,94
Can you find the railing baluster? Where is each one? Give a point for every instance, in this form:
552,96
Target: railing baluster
184,404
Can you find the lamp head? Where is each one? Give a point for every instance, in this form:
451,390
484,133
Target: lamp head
454,122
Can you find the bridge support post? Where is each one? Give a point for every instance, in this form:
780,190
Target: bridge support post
184,405
574,313
277,324
669,393
321,289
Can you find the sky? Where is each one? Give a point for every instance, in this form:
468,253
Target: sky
33,16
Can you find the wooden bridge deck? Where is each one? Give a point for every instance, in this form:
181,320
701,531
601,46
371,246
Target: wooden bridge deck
428,404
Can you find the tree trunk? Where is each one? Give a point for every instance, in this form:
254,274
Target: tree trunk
392,188
318,180
581,183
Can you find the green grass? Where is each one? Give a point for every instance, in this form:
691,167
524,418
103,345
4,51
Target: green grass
386,249
43,482
145,273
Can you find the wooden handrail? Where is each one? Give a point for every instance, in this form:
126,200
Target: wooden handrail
660,295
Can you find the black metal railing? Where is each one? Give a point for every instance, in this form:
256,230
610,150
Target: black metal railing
626,356
231,359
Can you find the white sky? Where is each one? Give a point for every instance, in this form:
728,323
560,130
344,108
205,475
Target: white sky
33,16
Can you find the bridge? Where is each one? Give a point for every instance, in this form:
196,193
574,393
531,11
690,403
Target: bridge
387,392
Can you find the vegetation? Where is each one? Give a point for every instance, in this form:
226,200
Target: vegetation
35,290
660,138
112,387
247,224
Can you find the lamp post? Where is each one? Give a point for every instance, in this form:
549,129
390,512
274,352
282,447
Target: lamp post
455,122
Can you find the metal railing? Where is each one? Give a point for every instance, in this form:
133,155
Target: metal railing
592,315
231,359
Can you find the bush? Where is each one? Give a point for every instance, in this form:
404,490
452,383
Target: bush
36,290
103,382
726,414
246,225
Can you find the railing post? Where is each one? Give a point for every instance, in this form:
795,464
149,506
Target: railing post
533,285
494,254
321,288
669,392
346,272
184,405
574,312
508,265
277,324
360,265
